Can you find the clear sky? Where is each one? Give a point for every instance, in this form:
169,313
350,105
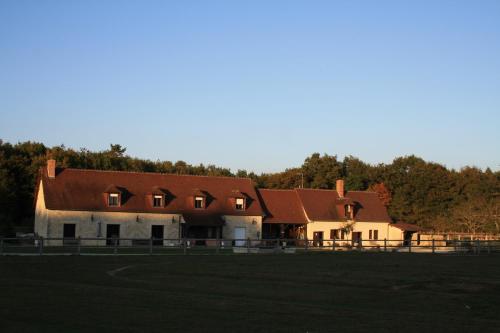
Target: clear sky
256,85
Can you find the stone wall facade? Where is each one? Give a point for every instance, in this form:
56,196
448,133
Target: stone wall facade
91,224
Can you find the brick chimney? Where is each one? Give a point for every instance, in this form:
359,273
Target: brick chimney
51,168
340,187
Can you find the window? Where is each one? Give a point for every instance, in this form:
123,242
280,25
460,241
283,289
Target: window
240,204
334,234
199,202
373,234
342,234
158,201
113,200
348,212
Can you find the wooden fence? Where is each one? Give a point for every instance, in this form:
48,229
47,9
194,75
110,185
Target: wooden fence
153,246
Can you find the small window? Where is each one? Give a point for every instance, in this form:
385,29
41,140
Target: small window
113,200
370,234
199,202
158,201
342,234
334,234
240,204
375,234
348,211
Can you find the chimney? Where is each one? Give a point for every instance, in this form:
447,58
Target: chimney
51,168
340,187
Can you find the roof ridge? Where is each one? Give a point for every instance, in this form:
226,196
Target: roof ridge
276,189
316,189
152,173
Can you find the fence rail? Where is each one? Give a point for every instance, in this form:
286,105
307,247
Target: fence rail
159,246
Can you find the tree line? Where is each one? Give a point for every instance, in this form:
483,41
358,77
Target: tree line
415,191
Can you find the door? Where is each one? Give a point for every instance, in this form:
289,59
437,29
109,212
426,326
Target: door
157,234
356,239
239,236
407,238
69,232
112,234
318,238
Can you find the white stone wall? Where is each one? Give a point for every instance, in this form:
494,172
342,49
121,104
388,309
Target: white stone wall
358,226
252,225
396,236
89,224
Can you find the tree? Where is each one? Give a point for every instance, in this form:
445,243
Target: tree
321,171
383,193
357,174
472,215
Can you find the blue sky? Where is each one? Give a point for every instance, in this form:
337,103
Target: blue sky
256,85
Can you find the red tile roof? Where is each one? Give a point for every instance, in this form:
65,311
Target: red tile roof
319,205
322,205
84,190
368,207
76,189
282,206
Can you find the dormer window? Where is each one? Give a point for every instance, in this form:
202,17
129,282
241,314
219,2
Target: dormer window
199,202
348,212
158,200
113,200
240,204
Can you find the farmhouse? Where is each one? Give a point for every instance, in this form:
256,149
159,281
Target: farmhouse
349,218
104,206
109,204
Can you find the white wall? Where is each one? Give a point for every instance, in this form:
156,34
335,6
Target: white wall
358,226
91,224
252,225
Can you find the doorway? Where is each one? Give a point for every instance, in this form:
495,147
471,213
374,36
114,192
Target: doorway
239,236
112,234
318,238
356,239
69,233
157,234
407,236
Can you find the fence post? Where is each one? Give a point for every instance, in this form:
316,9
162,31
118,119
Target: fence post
306,244
488,244
333,245
248,245
115,250
40,246
385,244
151,246
409,247
478,246
217,245
277,243
184,246
78,246
433,246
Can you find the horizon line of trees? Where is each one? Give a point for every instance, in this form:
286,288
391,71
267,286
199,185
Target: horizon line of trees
415,191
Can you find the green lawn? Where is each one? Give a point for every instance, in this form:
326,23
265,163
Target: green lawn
314,292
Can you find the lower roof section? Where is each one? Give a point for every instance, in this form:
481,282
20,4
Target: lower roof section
282,207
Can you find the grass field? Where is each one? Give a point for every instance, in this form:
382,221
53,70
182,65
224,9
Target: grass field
358,292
